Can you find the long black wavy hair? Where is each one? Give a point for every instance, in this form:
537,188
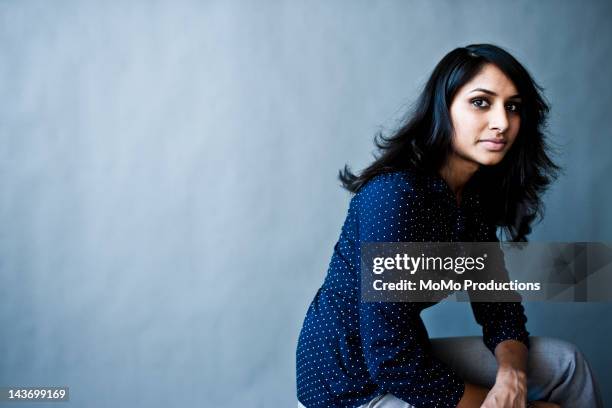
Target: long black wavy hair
511,190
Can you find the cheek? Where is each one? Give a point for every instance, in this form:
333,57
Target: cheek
515,127
467,129
516,124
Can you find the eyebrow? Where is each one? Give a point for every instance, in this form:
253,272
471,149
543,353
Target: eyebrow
517,96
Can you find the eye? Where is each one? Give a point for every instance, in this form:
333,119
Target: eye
513,107
480,102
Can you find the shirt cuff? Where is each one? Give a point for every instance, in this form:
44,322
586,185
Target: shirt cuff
492,340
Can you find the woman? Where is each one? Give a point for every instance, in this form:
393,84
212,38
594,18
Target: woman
471,158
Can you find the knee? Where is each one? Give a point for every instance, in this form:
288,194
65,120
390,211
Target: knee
559,369
569,358
572,356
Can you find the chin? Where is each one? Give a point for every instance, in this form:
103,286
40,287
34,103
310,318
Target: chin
491,159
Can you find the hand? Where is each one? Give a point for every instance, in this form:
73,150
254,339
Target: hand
509,391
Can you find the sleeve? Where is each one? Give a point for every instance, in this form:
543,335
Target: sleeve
394,339
399,360
500,321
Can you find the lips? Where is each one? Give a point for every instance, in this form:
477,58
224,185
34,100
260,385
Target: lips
493,144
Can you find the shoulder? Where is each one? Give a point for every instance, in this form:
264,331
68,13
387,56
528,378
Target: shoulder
392,190
387,207
400,182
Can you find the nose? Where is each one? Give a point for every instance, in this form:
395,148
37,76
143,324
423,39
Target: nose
498,119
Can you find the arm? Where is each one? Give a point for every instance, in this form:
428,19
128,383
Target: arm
398,359
510,389
393,336
500,321
511,355
510,384
505,334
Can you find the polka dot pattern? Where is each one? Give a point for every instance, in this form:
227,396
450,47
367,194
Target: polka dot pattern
351,351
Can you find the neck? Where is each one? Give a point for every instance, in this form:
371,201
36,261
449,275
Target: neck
457,172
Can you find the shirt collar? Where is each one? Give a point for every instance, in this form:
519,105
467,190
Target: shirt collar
470,195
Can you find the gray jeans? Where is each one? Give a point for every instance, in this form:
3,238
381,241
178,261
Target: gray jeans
556,371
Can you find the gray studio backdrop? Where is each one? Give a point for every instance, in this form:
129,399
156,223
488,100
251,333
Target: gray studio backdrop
168,192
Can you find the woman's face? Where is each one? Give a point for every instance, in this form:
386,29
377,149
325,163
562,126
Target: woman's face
486,117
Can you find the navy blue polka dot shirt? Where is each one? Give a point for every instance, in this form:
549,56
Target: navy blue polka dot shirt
351,351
